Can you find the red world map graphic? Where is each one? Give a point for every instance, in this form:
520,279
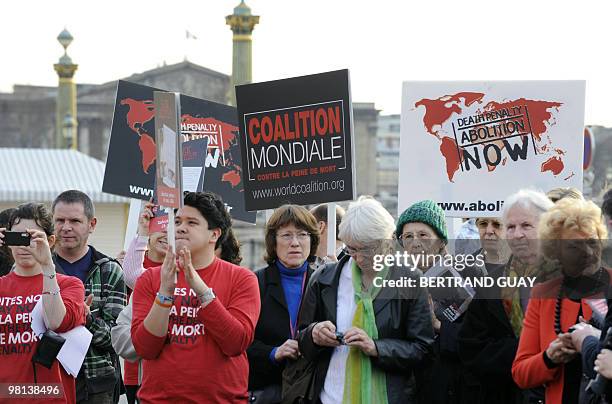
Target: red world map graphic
141,112
227,133
438,113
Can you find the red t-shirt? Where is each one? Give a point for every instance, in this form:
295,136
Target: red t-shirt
18,296
203,358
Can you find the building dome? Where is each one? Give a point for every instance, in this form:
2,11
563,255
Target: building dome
65,38
242,9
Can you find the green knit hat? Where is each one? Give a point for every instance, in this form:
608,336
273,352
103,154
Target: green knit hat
427,212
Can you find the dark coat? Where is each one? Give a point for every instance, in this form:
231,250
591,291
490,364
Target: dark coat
403,319
487,346
591,348
444,379
272,328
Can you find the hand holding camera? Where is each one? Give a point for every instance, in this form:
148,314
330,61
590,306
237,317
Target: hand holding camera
358,338
35,241
39,248
14,238
324,334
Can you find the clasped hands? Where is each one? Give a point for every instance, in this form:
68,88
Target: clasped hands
567,345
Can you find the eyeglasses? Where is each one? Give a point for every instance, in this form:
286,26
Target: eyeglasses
288,237
410,236
407,238
352,251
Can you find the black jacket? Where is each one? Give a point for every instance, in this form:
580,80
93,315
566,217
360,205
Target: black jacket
403,319
444,379
272,328
487,346
591,348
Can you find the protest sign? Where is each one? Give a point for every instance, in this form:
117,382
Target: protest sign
130,166
468,145
452,301
219,124
194,158
169,156
296,140
159,221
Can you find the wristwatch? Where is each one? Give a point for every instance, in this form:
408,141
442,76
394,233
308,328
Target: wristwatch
207,297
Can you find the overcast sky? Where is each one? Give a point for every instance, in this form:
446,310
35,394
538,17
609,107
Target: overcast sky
382,42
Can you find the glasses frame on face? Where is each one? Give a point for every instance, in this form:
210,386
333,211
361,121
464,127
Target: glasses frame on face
497,224
404,237
352,251
288,237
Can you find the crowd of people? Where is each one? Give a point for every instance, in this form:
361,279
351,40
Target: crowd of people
192,325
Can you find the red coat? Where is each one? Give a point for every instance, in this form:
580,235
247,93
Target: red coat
529,369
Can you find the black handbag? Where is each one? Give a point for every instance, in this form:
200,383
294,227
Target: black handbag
47,349
298,381
270,394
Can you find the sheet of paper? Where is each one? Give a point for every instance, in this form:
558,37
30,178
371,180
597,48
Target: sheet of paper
38,319
73,352
191,177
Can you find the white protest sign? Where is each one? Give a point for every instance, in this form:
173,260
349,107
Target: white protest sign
468,145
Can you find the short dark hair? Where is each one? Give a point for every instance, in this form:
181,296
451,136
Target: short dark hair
76,196
283,216
212,208
5,215
606,205
6,258
230,248
33,211
320,213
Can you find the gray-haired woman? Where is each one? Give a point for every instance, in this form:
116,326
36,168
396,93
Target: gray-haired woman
489,336
364,339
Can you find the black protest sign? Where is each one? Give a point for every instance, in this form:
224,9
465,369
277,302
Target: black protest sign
296,140
218,123
130,164
130,168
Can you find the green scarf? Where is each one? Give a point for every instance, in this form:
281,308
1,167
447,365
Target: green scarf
364,384
511,297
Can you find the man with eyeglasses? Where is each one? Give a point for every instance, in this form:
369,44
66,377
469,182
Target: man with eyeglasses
493,246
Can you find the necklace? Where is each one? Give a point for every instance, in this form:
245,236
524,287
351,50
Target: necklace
560,298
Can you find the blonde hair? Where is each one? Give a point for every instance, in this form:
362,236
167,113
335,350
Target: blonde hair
556,194
570,214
